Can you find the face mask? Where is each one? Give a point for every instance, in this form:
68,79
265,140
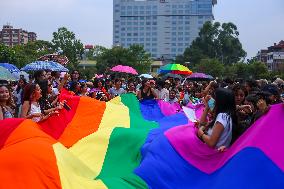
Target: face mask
211,104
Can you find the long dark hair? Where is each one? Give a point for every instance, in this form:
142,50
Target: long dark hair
96,83
225,103
18,87
28,92
44,89
144,81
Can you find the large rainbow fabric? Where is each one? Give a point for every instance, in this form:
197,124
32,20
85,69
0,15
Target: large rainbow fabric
127,144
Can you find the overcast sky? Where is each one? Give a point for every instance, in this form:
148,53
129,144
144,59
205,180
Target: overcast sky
260,22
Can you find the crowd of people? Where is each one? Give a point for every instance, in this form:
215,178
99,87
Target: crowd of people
231,106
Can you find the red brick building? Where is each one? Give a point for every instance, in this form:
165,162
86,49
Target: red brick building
11,37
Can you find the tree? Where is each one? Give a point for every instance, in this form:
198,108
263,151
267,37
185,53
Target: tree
210,66
134,56
20,55
65,41
31,52
231,50
141,60
215,42
258,70
7,54
241,70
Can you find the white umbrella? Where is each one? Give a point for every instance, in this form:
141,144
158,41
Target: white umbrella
17,75
147,76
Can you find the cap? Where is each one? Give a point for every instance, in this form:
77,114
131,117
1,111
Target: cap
272,89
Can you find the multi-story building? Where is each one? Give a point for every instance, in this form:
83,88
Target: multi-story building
32,36
273,57
262,56
164,27
11,37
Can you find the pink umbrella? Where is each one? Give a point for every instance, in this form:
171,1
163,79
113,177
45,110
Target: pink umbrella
125,69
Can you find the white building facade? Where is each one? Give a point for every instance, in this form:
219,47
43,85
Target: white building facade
275,61
164,27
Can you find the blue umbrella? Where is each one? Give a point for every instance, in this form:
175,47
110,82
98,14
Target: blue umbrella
44,65
10,67
6,75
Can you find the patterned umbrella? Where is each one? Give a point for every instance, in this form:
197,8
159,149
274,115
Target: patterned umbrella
175,69
10,67
6,75
124,69
44,65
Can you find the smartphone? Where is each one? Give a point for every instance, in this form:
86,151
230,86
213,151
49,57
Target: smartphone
66,107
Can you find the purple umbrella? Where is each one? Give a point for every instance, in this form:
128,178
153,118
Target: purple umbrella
199,77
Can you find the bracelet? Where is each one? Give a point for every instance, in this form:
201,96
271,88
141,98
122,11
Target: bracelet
202,135
203,124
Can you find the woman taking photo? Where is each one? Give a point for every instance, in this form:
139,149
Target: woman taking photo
146,92
6,103
219,132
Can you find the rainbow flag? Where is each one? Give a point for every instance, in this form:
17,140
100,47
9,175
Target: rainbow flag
127,144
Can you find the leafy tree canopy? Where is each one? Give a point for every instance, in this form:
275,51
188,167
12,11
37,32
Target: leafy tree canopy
65,41
215,41
134,56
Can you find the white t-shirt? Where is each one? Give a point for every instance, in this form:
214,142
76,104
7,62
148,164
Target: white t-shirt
226,136
164,94
35,109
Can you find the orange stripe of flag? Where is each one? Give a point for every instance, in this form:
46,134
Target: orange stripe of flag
28,159
86,120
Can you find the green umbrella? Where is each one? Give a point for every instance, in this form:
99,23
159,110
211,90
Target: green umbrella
6,75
